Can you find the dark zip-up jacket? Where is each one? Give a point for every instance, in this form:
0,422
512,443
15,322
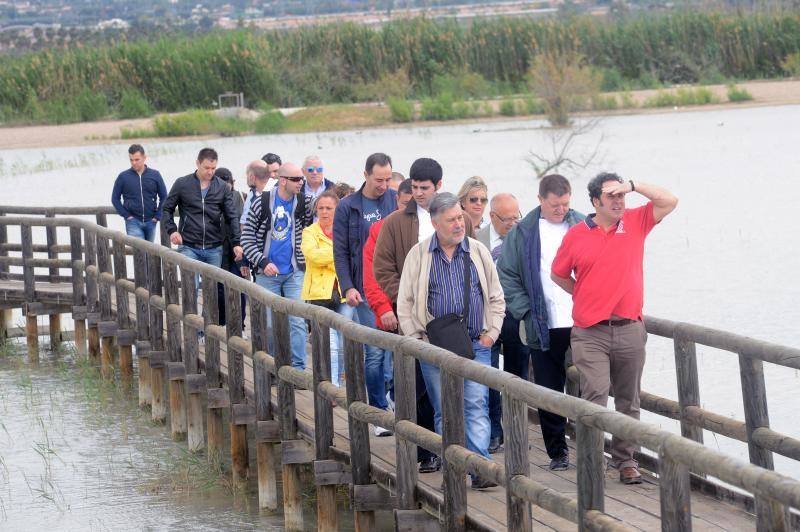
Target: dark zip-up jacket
135,195
201,218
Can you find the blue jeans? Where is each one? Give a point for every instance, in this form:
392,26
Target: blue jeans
290,286
140,229
476,402
337,345
212,256
374,362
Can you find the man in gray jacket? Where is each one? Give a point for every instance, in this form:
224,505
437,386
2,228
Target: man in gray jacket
532,297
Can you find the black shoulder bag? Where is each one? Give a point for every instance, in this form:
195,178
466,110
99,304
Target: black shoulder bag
450,331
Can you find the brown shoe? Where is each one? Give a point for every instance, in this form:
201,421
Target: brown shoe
630,475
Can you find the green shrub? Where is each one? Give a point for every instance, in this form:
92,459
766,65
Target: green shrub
439,108
611,80
401,110
791,64
508,108
91,105
461,84
682,97
199,122
388,85
270,121
133,104
532,106
60,111
604,102
737,94
488,109
627,100
462,109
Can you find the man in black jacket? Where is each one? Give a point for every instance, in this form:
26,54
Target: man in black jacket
205,203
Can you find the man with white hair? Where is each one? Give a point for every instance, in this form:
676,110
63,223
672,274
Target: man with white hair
314,172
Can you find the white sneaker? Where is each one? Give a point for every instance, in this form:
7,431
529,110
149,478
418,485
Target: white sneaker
382,432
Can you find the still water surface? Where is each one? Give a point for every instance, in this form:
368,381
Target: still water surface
727,258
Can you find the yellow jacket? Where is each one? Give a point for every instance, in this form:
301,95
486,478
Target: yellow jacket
320,270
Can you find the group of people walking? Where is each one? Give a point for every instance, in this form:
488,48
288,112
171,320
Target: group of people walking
399,255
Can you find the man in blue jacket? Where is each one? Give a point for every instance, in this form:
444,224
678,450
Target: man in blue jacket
354,216
134,195
533,298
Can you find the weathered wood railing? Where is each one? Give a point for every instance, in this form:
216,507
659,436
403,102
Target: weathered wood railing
164,283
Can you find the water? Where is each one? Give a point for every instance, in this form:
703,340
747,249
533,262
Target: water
726,258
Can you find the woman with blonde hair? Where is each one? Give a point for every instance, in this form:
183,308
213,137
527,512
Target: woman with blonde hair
474,196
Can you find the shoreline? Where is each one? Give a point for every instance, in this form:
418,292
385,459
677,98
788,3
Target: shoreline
765,93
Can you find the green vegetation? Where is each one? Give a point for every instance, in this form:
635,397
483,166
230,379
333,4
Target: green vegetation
682,97
508,108
270,121
738,94
418,58
400,109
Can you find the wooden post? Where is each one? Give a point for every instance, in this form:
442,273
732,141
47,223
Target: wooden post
515,428
688,384
177,371
771,515
323,424
405,409
142,326
32,335
233,327
31,327
78,292
675,494
359,431
216,435
455,490
262,383
157,354
5,323
195,381
125,333
292,489
92,303
3,253
51,234
591,470
107,327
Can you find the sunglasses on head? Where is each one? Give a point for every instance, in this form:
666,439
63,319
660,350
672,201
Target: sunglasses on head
479,200
312,169
294,178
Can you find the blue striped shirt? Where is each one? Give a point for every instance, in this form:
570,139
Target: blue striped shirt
446,286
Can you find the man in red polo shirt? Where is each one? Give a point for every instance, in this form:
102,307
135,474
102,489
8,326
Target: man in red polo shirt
605,253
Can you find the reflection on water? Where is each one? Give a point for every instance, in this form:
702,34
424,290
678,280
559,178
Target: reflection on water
78,454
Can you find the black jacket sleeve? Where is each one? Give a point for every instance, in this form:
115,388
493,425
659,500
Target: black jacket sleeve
229,213
170,203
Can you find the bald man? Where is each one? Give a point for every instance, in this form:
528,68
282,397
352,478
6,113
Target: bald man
503,216
271,239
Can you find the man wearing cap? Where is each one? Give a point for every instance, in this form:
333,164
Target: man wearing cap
605,254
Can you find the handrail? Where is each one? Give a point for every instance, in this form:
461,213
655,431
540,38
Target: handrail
678,455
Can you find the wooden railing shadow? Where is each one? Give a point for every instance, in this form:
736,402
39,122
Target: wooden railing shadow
163,290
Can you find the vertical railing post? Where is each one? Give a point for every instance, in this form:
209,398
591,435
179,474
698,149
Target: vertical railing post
323,423
591,470
217,398
515,429
455,489
5,313
405,409
143,346
28,273
675,494
51,234
688,384
240,410
78,291
157,353
268,431
195,381
359,431
102,219
107,327
771,515
292,489
176,372
125,333
92,301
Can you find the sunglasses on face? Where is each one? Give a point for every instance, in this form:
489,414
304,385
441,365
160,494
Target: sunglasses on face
312,169
482,201
294,178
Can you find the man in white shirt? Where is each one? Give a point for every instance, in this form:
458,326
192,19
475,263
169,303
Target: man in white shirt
533,298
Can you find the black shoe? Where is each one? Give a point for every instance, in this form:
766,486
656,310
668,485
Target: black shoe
430,465
482,484
495,445
560,463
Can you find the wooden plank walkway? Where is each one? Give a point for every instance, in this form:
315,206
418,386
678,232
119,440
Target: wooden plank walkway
637,506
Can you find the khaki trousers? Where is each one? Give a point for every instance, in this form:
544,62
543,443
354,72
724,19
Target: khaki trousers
611,359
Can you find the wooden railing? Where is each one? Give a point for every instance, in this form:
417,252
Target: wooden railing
98,265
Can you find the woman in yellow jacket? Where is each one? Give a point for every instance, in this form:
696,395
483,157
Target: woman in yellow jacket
320,286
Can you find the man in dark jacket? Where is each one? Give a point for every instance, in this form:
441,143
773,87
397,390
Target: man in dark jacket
135,193
533,298
316,182
229,262
205,203
354,216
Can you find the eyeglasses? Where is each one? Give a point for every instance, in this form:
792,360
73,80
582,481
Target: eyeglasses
294,178
507,220
311,169
271,158
482,201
